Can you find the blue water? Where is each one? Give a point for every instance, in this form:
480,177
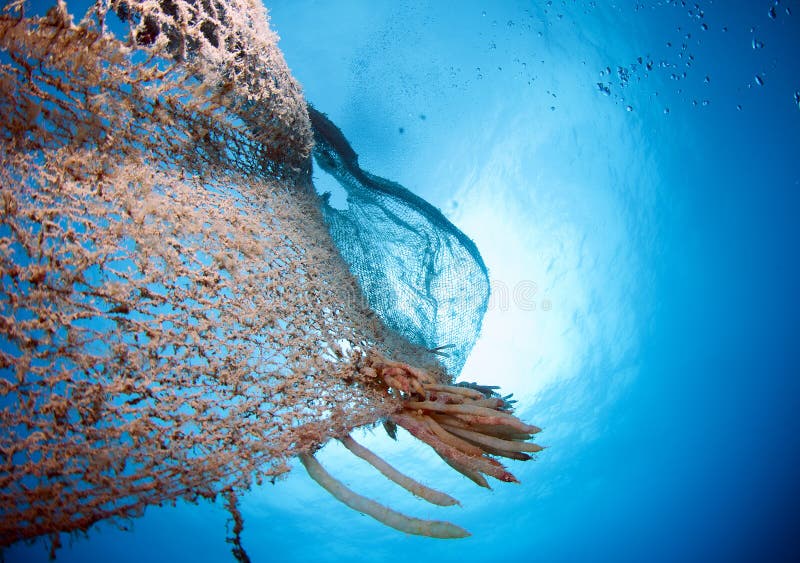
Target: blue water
640,227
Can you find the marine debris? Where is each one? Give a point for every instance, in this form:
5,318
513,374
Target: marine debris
176,319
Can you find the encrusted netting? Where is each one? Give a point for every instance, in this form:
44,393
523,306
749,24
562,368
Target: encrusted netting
180,312
421,274
174,315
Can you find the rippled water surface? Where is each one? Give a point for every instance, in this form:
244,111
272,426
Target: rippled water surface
630,172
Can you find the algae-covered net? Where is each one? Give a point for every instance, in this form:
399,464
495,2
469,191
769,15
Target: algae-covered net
176,319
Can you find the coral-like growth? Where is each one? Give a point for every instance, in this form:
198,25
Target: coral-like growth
175,318
466,424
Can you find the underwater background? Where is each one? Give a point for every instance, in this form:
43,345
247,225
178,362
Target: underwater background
630,172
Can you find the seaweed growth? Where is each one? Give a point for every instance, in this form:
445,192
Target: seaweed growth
176,320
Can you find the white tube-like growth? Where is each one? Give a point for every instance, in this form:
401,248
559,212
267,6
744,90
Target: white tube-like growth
414,487
384,515
496,443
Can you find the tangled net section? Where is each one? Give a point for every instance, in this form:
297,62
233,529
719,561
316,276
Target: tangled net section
176,319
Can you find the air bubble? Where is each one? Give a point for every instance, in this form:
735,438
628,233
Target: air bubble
759,80
624,75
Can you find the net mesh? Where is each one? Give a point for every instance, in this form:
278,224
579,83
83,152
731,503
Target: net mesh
421,274
180,312
175,318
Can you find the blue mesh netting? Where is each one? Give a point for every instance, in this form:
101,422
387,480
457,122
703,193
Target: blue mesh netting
423,276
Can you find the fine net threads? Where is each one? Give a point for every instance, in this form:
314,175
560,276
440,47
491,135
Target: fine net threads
176,317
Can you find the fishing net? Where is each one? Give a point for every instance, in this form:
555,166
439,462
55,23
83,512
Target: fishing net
176,319
422,275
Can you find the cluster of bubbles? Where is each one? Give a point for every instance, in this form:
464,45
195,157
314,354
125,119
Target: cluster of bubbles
672,68
677,64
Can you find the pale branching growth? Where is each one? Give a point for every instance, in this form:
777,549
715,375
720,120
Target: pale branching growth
229,45
171,323
175,319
